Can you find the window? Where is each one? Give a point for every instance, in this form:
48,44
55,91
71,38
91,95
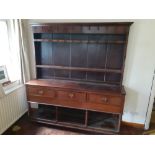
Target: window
9,51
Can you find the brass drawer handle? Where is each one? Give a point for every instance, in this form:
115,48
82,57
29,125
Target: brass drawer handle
104,99
71,95
40,92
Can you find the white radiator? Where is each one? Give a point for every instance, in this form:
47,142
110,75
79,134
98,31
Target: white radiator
12,107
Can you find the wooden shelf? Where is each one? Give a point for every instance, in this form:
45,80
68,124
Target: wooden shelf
90,82
80,69
71,118
79,41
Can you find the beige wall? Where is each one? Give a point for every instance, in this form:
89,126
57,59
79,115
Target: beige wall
140,63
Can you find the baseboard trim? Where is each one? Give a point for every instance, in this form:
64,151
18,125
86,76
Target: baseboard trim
135,125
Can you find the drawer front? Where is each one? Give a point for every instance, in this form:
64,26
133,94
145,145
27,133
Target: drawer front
105,103
75,99
71,96
51,96
41,91
104,99
55,95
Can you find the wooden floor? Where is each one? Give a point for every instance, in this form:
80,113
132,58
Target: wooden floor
25,127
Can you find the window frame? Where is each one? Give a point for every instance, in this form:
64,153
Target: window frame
12,58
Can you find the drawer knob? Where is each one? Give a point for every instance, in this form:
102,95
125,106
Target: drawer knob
40,92
104,99
71,95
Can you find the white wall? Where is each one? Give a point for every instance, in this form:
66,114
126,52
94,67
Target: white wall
139,66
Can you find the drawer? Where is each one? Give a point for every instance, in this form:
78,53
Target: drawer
54,96
104,99
71,96
41,91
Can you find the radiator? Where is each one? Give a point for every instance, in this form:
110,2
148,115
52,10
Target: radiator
12,107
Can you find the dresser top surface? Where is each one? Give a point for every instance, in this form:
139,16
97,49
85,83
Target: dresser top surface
77,85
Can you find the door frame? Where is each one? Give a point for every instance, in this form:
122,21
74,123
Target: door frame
150,103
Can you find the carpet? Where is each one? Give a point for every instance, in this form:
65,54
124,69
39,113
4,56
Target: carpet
151,132
153,116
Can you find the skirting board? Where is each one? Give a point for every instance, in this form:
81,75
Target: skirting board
135,125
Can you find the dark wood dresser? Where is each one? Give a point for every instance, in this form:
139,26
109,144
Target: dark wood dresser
79,70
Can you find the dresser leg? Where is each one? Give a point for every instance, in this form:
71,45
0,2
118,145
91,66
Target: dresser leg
86,118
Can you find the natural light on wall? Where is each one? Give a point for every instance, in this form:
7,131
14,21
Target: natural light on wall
9,57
